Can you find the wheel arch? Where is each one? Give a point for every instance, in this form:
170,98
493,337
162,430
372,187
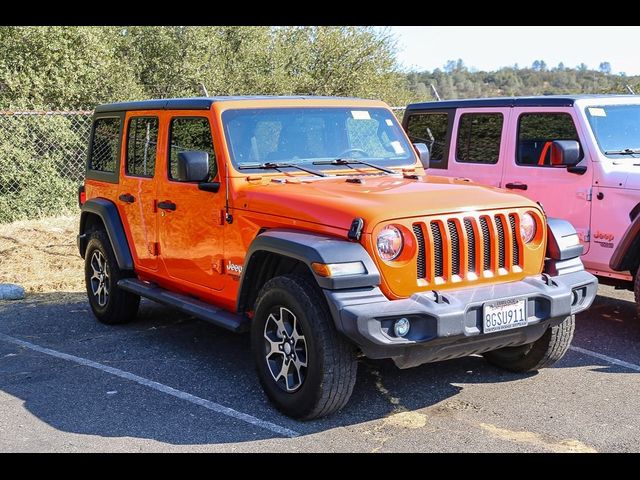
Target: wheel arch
102,213
280,251
626,256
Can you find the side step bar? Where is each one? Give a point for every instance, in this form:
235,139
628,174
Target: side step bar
184,303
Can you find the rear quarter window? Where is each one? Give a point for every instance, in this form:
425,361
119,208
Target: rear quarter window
432,129
104,152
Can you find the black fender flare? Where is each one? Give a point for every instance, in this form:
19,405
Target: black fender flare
107,211
308,248
625,256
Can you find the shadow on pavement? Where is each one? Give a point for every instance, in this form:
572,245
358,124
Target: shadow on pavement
168,347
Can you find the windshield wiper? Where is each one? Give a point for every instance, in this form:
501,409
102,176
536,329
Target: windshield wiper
278,166
342,161
626,151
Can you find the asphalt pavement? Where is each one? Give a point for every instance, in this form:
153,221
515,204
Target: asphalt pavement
168,382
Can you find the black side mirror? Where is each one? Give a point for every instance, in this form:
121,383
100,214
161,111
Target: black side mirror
193,167
565,153
423,152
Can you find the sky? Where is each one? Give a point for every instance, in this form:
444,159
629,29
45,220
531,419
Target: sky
489,48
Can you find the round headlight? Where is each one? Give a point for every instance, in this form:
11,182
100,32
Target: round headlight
527,227
389,242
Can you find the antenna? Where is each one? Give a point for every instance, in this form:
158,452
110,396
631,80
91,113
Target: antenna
628,87
435,92
204,89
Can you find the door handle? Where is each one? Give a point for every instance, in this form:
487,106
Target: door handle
516,186
127,198
167,205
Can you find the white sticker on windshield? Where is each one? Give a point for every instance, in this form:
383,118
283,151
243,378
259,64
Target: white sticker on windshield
360,115
597,112
397,147
389,122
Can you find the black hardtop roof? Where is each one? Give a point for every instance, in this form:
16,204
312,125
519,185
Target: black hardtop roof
197,103
534,101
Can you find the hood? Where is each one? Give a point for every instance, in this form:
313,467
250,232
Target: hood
335,202
623,174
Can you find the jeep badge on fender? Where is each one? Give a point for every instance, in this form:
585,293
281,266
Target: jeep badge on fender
314,224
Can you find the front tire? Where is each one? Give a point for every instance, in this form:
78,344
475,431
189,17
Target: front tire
109,304
542,353
305,367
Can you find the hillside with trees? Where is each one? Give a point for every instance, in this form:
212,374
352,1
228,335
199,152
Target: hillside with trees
455,80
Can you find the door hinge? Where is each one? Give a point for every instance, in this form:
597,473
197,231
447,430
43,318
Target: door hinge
154,248
586,194
585,236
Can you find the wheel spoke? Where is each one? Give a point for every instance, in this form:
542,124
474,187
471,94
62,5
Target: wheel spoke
285,349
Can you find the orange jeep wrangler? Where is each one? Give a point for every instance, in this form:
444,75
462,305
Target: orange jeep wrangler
313,223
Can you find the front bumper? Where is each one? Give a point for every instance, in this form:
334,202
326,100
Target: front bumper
449,324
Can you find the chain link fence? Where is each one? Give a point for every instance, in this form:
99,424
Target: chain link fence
42,160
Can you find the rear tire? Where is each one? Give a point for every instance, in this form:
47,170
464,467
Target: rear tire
110,304
305,367
542,353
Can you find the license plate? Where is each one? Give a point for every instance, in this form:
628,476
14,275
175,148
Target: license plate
504,315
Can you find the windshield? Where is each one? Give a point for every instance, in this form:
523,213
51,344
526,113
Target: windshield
616,128
305,135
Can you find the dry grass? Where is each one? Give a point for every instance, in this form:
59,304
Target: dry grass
41,255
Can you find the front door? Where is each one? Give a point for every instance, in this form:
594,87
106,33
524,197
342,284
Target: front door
528,168
137,189
191,222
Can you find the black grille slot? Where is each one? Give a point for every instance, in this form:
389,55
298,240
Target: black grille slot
486,239
455,247
471,248
501,239
514,240
422,266
437,249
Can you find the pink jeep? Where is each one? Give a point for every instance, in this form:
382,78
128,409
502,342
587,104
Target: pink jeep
578,156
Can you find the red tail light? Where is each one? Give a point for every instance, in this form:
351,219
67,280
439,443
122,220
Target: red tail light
82,196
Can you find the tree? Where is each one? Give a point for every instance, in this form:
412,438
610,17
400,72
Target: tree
605,67
79,67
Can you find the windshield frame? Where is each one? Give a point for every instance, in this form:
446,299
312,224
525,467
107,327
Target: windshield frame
410,160
596,138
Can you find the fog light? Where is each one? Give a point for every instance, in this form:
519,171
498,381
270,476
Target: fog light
401,327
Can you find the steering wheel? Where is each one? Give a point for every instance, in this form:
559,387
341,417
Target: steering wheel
353,150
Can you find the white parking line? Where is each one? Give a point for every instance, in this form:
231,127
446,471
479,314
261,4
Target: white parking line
216,407
606,358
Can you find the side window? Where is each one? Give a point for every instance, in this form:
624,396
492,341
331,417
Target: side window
432,130
190,134
479,138
536,131
142,142
105,145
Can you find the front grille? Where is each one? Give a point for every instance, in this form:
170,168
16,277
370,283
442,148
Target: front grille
437,249
422,265
455,247
486,241
514,240
501,246
449,247
471,249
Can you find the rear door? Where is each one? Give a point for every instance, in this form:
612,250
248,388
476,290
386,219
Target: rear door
528,167
478,145
137,189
